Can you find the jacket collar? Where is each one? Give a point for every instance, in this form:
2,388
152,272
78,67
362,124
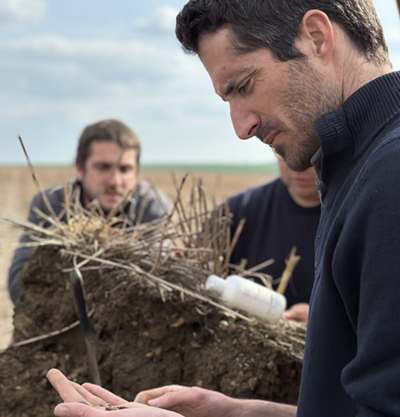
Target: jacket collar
347,132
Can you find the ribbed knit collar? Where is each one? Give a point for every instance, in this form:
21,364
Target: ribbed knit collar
345,133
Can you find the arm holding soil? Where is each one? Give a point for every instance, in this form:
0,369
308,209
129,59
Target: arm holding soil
91,400
171,401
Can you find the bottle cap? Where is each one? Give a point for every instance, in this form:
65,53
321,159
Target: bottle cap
215,284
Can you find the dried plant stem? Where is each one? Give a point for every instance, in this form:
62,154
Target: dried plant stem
261,266
234,240
287,273
167,224
40,190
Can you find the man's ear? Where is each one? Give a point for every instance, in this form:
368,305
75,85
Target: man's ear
79,172
316,35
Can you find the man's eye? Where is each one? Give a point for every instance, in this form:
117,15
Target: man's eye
103,167
244,87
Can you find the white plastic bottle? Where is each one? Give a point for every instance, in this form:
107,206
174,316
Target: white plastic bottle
248,296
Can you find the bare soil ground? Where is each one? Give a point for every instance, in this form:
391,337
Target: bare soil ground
142,340
17,188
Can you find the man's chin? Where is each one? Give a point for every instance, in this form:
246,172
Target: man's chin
110,204
297,162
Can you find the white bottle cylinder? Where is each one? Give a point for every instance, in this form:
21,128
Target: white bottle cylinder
248,296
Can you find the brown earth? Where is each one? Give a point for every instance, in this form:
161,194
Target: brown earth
17,190
142,342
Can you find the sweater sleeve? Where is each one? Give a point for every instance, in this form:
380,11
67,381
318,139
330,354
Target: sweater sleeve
367,274
22,254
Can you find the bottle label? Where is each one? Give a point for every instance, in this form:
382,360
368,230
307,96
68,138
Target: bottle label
256,293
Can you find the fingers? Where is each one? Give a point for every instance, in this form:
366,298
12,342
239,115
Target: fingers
88,396
90,400
71,391
105,395
174,399
75,409
145,396
81,410
298,312
64,387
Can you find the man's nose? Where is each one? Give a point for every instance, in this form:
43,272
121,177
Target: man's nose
115,179
244,122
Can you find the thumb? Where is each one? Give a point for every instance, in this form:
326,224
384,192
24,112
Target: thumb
185,397
167,401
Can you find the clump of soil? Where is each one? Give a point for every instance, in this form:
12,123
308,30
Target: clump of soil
142,342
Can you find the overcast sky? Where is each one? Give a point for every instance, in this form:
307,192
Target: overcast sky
67,63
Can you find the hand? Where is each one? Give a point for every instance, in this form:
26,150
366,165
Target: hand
198,402
298,312
190,402
91,400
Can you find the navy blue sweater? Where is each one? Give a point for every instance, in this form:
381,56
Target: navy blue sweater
274,224
352,361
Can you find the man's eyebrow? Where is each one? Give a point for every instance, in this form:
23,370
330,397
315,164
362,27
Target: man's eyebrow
230,85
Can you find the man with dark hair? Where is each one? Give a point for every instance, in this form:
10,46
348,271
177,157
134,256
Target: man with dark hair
312,79
107,165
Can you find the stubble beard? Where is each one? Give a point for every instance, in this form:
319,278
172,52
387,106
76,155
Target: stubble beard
307,97
91,199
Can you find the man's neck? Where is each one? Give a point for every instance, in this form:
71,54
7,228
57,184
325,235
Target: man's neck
306,202
358,72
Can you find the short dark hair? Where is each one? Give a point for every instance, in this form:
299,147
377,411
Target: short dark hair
274,24
106,130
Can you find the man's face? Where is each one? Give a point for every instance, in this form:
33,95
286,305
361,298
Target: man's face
276,101
102,180
301,185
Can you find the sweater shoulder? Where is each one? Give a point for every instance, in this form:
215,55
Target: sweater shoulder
54,195
154,202
253,196
151,193
377,183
